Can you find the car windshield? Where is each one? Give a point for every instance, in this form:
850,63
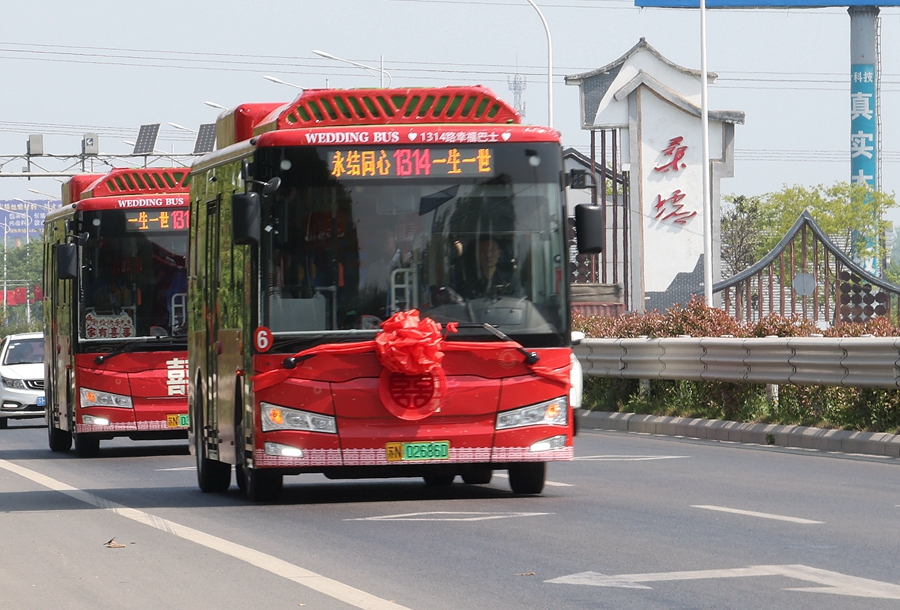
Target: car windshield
24,351
134,279
344,253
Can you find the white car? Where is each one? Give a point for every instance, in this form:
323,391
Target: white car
22,377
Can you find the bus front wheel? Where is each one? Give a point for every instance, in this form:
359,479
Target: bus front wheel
86,446
213,476
528,477
60,440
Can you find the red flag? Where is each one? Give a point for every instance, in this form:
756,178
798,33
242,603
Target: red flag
21,295
38,293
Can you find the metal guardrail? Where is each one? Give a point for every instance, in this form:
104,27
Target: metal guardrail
850,362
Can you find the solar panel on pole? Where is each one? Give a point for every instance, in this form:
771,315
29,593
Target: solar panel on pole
206,139
146,140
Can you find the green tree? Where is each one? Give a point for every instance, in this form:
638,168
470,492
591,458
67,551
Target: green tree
851,214
742,241
24,267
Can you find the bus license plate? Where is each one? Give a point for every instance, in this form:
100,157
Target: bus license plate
178,421
432,450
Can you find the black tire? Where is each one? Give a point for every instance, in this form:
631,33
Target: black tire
528,477
439,479
213,476
481,476
4,422
258,485
59,440
262,485
86,446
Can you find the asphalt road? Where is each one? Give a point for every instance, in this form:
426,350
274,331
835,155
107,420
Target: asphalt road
635,522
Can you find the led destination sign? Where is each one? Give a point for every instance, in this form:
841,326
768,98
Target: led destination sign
156,221
422,162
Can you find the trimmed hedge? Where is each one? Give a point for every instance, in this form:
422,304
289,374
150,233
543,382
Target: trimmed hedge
863,409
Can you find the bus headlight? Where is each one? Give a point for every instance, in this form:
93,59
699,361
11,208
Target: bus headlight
96,398
281,450
550,413
275,417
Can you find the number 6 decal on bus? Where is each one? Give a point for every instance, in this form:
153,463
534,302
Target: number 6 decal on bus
262,339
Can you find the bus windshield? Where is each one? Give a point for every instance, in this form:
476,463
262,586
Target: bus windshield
134,275
344,251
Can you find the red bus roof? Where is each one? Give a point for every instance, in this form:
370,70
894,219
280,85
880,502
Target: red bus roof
141,181
317,108
74,186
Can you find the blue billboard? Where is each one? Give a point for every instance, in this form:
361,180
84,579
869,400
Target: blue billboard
763,3
21,222
863,126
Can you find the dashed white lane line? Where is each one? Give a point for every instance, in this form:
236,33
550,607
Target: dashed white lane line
547,483
279,567
750,513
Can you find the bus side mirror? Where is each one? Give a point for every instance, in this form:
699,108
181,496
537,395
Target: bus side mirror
245,219
589,228
66,261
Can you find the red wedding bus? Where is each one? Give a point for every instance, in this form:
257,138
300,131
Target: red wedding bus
115,309
378,287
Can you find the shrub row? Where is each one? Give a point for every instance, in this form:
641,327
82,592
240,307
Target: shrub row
864,409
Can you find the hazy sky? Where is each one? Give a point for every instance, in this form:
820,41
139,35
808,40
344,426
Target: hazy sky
107,67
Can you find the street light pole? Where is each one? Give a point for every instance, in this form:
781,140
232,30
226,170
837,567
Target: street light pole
707,196
5,231
549,65
359,65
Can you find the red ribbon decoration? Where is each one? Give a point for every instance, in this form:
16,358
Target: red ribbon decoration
408,346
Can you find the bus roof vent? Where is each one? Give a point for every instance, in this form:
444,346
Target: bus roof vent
344,107
141,181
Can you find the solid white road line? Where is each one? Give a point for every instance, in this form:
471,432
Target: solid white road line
279,567
750,513
628,458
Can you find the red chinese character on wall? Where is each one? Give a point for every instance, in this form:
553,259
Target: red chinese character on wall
677,152
675,213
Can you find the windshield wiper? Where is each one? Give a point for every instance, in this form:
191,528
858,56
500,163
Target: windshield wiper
132,345
530,357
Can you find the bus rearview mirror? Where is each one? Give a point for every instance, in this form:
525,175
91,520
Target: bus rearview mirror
589,228
66,261
245,218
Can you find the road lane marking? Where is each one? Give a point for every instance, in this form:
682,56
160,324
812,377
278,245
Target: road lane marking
750,513
332,588
547,483
834,583
629,458
176,469
448,516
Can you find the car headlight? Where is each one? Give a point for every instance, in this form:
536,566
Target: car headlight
275,417
16,384
550,413
96,398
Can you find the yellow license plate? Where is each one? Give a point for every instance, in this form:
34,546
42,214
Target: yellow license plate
178,421
407,452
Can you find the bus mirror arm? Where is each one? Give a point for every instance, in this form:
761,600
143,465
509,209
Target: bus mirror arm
267,187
